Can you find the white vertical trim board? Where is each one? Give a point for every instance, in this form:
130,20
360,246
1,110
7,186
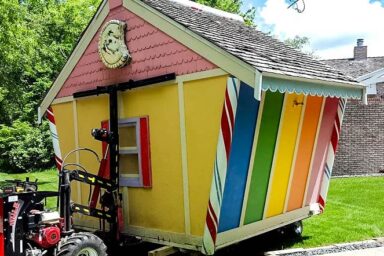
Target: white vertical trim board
77,154
184,158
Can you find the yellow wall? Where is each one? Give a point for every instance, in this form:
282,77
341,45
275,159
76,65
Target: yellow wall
65,129
203,107
162,206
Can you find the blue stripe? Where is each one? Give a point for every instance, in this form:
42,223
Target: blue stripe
217,183
327,171
54,135
239,158
234,85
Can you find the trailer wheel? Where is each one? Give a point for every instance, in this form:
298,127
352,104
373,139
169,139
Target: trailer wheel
81,244
295,229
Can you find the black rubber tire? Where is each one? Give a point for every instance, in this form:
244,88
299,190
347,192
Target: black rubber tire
81,244
295,229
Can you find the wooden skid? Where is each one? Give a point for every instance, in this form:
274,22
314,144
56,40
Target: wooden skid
163,251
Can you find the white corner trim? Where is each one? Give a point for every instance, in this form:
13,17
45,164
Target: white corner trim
251,230
75,56
62,100
201,75
77,154
184,159
258,85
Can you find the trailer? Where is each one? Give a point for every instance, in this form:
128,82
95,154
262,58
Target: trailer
220,132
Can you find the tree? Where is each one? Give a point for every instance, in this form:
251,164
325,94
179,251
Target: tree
36,38
232,6
299,43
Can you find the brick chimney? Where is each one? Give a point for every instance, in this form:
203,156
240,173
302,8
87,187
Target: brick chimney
360,51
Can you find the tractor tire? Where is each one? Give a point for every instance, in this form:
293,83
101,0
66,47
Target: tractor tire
81,244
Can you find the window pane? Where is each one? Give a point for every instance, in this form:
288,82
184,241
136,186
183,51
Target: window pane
127,136
129,164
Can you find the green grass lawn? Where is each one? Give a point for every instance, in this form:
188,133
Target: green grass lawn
354,210
47,181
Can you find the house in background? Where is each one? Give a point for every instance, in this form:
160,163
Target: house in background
361,147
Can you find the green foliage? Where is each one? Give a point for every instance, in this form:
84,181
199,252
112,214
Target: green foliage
36,38
300,43
23,146
232,6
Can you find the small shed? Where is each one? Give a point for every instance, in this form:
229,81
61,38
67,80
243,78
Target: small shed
241,142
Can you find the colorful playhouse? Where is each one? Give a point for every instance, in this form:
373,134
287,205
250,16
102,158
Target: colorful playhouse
239,142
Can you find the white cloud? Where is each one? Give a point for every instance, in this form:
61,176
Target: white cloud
332,25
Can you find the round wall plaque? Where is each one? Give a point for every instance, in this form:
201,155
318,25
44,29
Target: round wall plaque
112,48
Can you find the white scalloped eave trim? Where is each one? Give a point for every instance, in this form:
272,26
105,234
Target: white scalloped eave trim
339,93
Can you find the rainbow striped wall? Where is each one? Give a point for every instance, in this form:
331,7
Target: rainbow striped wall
277,156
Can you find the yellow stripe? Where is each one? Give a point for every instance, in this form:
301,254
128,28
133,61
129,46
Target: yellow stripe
284,154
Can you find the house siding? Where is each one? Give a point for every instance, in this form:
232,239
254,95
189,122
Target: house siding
361,148
153,53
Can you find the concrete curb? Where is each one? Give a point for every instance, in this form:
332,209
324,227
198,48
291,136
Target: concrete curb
372,243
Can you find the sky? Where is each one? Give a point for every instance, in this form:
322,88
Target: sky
333,26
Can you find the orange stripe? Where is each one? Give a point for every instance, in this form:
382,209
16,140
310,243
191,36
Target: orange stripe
304,153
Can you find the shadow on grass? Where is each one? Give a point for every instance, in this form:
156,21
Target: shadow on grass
271,241
254,246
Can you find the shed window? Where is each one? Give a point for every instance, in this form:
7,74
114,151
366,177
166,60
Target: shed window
134,158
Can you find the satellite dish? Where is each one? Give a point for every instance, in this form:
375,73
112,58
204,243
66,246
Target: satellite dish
298,5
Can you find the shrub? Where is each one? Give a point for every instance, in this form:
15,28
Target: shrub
24,147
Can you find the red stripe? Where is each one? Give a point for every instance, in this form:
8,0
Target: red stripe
105,125
145,152
103,168
96,191
213,213
334,139
58,159
338,123
229,107
211,227
50,116
58,162
226,132
321,202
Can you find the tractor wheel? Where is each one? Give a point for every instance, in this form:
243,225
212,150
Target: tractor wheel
81,244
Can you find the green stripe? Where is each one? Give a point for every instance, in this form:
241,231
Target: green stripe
269,127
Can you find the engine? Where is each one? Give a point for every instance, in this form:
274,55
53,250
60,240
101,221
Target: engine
44,228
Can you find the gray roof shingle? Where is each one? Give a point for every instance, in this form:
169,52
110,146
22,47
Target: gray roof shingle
356,68
261,51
